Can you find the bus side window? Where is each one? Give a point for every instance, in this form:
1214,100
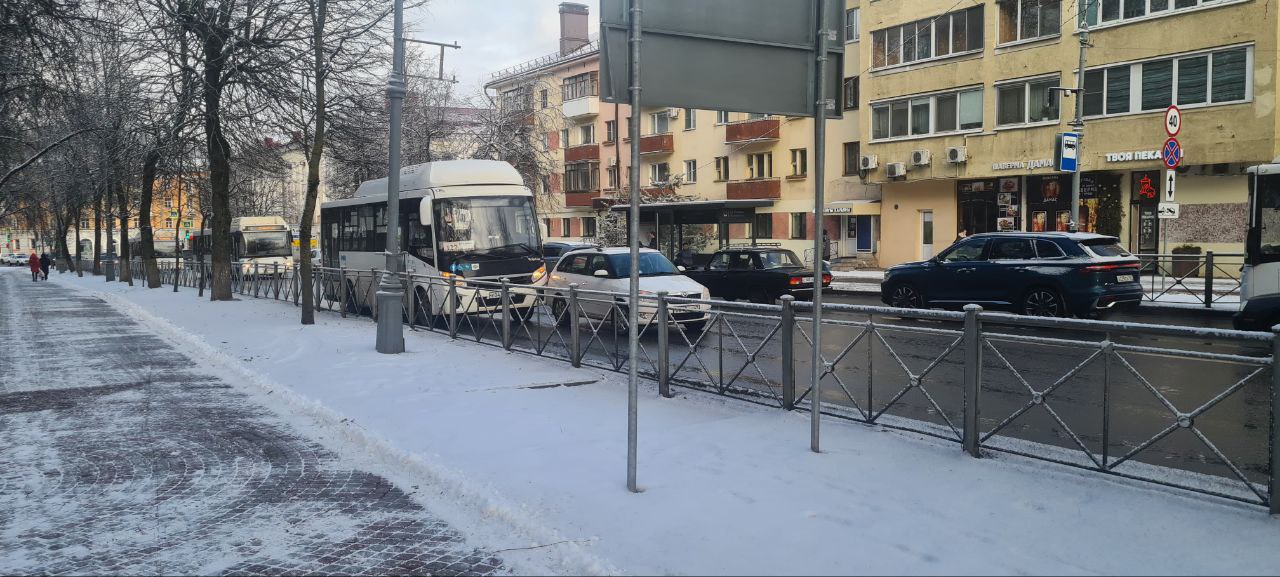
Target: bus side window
420,240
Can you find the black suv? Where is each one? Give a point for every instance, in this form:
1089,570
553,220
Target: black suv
1041,274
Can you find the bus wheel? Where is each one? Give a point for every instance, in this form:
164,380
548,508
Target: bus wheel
352,309
423,313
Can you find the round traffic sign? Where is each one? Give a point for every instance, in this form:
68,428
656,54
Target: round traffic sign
1173,121
1171,154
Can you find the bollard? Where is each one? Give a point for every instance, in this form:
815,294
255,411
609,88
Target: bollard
453,308
972,376
1274,495
1208,279
788,332
575,328
275,281
664,346
342,292
506,313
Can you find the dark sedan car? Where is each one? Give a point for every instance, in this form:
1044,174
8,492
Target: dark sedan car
760,274
1040,274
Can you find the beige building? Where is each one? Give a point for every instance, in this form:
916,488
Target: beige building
708,155
961,122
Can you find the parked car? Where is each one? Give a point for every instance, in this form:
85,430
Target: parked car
1041,274
760,274
606,269
551,251
7,258
20,259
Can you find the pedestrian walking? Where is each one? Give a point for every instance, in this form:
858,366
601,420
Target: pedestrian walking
33,262
653,240
45,262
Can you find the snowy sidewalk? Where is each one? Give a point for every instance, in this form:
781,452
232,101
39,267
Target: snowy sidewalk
729,487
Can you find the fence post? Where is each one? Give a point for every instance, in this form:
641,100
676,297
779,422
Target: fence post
1208,279
412,297
373,302
788,333
203,272
972,376
342,292
664,345
1273,496
575,328
453,308
506,313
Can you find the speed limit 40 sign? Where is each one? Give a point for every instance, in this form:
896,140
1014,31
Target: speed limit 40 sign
1173,121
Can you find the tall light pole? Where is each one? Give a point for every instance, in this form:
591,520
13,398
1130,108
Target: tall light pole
1077,123
390,293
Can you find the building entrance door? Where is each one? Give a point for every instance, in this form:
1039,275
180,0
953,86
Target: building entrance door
926,235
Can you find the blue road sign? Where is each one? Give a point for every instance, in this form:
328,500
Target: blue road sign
1067,152
1171,154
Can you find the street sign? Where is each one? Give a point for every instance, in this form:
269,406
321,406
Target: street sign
1173,121
741,55
1170,179
1171,154
1067,154
1168,210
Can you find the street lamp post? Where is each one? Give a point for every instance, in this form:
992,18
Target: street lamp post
390,293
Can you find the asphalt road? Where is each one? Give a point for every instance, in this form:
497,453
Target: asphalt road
873,379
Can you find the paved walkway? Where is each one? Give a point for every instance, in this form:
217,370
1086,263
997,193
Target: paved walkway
119,455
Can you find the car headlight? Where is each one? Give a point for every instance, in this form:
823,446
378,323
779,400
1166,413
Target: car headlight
540,274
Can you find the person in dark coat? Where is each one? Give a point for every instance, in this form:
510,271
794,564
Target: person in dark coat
33,261
45,261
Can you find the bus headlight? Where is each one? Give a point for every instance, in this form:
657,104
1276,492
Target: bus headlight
540,274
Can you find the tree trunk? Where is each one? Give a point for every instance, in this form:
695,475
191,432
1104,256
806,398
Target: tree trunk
126,274
79,267
313,169
219,151
144,219
97,235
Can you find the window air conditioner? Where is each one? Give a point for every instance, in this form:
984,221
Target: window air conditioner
957,155
673,113
870,162
613,161
896,169
921,157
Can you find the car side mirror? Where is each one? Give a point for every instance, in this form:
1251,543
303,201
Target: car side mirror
425,212
600,273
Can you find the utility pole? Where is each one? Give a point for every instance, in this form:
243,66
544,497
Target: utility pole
1077,123
633,317
819,202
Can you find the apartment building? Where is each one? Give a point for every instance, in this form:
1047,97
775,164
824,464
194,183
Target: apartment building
740,161
961,117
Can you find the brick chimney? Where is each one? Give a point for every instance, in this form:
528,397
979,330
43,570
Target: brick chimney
573,27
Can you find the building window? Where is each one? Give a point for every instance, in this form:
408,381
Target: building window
691,171
581,177
760,165
799,162
168,203
852,158
1202,79
952,33
1027,102
546,224
188,224
587,132
659,173
612,173
932,114
564,137
588,226
611,131
565,224
546,184
660,122
799,225
1117,11
575,87
1029,19
722,117
722,168
851,93
542,98
763,226
168,223
690,119
851,25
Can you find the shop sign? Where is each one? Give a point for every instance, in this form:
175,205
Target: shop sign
1023,164
839,210
1134,156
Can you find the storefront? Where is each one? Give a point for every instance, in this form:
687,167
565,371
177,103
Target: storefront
858,223
989,205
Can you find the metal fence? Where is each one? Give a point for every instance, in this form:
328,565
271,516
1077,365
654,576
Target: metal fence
1182,407
1206,279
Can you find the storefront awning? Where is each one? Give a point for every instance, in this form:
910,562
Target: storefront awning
853,208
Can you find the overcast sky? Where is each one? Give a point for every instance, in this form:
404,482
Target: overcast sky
494,34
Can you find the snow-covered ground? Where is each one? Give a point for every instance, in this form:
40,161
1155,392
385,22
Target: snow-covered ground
729,487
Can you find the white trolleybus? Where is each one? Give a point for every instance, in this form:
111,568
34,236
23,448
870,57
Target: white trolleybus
258,243
1260,277
462,220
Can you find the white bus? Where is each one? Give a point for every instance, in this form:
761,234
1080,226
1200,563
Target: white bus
1260,277
459,219
260,243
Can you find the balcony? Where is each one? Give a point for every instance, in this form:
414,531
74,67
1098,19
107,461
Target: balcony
760,130
760,188
581,107
657,144
582,153
580,199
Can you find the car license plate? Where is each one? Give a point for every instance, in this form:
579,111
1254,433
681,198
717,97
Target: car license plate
1124,278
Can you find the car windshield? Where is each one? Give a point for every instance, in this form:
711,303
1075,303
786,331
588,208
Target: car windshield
1106,247
651,264
496,227
260,244
779,259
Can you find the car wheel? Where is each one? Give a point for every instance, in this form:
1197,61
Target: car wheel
1043,302
560,311
906,296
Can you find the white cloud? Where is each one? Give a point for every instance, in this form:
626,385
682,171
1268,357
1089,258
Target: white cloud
494,34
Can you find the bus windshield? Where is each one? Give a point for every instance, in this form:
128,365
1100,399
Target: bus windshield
263,244
494,228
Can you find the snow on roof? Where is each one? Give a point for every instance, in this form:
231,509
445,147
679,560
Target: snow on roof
447,173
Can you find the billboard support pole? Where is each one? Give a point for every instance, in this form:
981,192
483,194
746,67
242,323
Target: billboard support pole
633,316
819,181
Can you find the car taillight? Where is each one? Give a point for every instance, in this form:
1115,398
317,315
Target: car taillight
1109,268
826,279
796,281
